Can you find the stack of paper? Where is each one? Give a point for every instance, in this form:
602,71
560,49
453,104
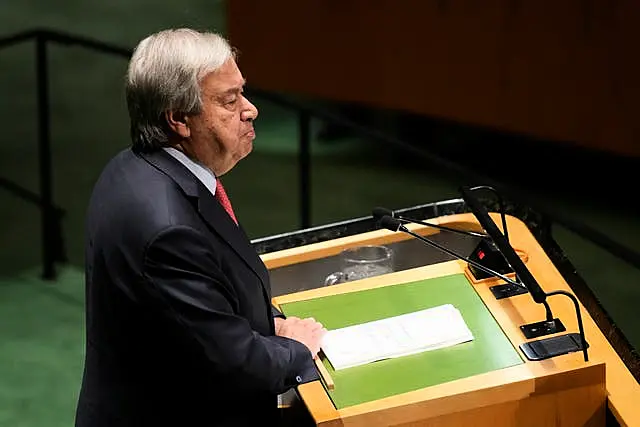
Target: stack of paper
411,333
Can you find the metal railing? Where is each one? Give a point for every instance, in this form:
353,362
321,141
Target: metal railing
51,214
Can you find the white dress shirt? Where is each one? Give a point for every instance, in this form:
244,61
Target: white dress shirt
204,174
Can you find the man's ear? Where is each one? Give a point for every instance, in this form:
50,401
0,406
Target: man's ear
178,123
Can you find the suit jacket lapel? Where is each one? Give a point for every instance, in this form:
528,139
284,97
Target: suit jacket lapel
211,212
218,219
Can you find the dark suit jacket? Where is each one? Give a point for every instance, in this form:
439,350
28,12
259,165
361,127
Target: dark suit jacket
179,323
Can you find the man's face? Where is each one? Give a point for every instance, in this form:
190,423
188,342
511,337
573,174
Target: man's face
222,134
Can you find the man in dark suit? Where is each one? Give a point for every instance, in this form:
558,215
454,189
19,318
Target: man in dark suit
180,329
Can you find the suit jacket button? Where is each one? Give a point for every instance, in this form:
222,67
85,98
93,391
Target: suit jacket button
299,378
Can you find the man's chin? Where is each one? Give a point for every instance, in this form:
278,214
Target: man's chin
247,149
248,146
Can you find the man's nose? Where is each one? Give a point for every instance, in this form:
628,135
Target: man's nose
250,112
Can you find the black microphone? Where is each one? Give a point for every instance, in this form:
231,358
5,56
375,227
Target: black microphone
395,224
503,216
390,223
381,212
555,346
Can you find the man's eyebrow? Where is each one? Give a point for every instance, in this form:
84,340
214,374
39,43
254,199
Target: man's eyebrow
235,88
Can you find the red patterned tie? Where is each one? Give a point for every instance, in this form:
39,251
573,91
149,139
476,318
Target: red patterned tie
222,197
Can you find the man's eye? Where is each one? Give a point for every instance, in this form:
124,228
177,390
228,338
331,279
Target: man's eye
232,101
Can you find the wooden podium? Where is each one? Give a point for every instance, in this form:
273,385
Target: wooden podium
561,391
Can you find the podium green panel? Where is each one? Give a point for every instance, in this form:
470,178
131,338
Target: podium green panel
490,350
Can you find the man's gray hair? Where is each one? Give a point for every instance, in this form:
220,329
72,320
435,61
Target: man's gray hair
164,74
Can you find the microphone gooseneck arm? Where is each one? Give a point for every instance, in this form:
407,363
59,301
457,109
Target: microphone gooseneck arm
442,227
460,257
379,212
395,224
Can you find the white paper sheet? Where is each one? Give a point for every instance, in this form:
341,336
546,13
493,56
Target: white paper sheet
411,333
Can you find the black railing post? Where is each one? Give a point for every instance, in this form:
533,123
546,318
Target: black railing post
44,160
304,163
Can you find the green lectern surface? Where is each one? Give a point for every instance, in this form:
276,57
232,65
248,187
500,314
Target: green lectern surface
490,350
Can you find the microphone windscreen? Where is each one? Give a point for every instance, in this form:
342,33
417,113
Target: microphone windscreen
390,223
380,212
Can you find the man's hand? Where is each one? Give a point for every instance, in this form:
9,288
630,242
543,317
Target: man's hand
307,331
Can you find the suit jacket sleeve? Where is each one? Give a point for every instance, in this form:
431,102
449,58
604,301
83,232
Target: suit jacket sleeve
277,313
183,275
